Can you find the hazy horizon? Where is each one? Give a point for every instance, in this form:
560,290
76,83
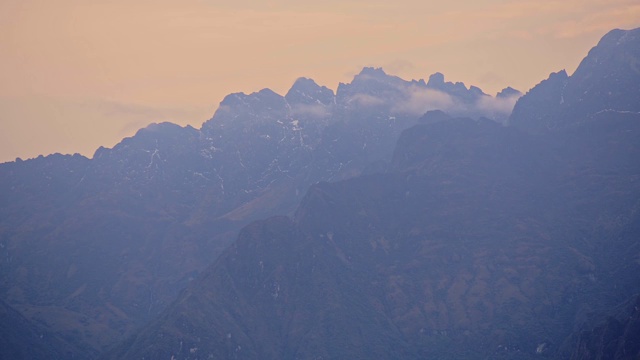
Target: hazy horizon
78,75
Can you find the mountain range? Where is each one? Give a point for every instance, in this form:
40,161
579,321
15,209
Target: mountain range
392,219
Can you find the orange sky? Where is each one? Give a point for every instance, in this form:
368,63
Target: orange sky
77,74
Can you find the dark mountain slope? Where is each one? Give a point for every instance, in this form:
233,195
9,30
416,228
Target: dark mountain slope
617,337
257,308
537,111
22,339
481,241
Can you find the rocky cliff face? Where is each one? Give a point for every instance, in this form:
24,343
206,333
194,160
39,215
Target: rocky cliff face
615,337
23,339
606,81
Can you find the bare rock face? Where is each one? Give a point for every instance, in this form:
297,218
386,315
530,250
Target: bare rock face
617,337
606,81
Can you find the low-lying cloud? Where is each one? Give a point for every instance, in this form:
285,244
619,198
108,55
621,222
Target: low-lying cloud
310,110
495,107
417,100
367,100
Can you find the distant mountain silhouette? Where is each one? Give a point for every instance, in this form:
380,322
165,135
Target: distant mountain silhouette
410,223
97,247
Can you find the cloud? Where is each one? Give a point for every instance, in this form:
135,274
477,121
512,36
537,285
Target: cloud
366,100
419,100
496,108
310,110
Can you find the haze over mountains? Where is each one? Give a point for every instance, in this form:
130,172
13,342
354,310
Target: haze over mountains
424,223
136,223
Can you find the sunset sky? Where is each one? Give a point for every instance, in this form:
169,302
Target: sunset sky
78,74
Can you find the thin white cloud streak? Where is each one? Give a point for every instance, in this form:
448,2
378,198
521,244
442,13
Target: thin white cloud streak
496,108
316,111
366,100
419,100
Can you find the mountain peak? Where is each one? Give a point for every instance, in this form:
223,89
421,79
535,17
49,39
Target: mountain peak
560,75
605,81
240,96
508,92
458,89
265,97
306,91
618,37
434,116
436,80
373,71
535,111
303,83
